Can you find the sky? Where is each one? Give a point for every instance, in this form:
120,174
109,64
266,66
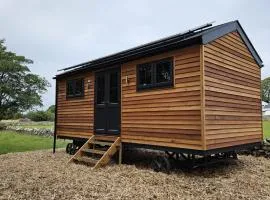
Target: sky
62,33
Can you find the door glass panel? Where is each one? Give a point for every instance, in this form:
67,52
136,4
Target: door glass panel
101,89
114,87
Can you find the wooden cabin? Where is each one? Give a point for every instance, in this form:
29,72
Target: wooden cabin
195,92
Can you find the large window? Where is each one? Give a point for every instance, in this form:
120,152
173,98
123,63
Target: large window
75,87
155,74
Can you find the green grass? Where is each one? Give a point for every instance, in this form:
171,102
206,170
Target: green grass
266,129
13,142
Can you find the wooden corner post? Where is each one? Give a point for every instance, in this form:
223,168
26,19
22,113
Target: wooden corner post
202,83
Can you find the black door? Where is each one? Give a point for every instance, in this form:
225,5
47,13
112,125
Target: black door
107,102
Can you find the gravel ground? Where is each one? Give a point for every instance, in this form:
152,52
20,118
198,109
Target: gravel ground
39,175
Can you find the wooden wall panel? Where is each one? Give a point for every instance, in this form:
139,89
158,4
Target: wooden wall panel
75,116
232,93
165,116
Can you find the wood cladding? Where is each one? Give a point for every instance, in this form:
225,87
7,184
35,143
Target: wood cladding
214,102
167,116
232,93
75,116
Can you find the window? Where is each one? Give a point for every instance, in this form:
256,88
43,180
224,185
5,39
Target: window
75,88
155,74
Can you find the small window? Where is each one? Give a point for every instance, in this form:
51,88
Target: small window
155,74
75,88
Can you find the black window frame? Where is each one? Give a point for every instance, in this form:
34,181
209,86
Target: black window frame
73,82
154,83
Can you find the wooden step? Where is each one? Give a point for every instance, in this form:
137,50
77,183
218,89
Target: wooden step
87,160
107,151
102,143
95,151
105,159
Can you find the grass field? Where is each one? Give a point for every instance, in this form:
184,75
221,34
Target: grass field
14,142
266,129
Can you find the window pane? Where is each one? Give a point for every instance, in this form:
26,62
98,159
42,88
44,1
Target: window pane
79,87
163,74
70,88
145,75
100,89
114,87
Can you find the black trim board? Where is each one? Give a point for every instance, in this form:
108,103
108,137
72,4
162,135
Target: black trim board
179,150
193,151
218,32
55,117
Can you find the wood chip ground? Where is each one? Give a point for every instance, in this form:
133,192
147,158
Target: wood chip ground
40,175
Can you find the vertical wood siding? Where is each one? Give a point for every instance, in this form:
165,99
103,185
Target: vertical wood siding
232,93
75,116
165,116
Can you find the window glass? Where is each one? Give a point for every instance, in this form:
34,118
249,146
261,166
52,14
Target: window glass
78,87
163,71
145,74
100,89
114,87
70,88
155,74
75,88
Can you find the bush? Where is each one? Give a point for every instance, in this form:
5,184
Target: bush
40,116
18,116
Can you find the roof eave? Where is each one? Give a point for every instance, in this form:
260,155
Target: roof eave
134,55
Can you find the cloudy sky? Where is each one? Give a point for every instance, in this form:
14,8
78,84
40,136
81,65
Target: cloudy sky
58,34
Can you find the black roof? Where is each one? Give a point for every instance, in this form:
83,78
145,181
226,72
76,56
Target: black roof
201,35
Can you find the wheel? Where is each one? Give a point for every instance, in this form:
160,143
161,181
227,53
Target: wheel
73,149
234,155
170,154
68,148
161,164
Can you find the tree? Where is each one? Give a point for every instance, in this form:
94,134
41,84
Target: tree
20,89
51,109
266,89
40,115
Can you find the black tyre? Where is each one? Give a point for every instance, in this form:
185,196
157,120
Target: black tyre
161,164
73,149
68,148
170,154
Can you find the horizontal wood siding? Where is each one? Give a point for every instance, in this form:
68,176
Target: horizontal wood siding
166,116
75,116
232,93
